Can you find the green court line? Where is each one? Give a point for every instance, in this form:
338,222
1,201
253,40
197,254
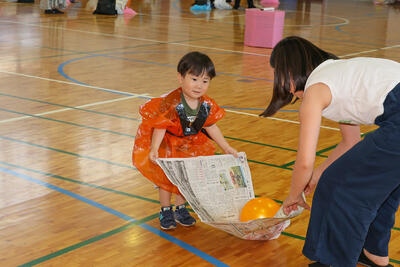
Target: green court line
89,241
107,161
110,162
120,229
80,182
117,116
326,149
320,152
288,164
67,152
268,164
66,122
294,236
113,163
332,147
65,106
261,144
394,261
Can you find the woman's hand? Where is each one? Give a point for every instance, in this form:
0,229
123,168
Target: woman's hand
292,204
310,187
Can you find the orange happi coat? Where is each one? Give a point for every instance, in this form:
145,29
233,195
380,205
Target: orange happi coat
162,113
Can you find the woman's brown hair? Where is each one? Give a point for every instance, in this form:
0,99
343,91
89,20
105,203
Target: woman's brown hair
292,58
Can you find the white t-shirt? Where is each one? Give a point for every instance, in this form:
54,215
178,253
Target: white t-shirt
358,86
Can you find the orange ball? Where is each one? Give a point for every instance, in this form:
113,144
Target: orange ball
261,207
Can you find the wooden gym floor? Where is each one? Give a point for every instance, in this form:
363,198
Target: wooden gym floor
70,89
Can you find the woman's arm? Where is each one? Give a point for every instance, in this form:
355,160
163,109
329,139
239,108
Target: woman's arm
316,98
156,139
216,135
350,137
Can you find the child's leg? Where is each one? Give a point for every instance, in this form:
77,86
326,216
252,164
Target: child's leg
167,220
179,200
182,215
165,197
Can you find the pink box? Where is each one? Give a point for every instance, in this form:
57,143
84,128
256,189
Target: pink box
263,28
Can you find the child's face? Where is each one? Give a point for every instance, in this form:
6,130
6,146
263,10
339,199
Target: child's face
193,87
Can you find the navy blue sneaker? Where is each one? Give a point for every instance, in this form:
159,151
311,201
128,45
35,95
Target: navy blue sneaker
167,220
183,217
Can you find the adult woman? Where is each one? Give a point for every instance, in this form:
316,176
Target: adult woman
358,189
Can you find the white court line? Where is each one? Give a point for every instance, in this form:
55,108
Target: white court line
65,109
135,38
346,21
131,96
179,18
277,119
173,43
74,84
372,50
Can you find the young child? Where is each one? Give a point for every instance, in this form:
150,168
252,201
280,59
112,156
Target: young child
358,190
180,124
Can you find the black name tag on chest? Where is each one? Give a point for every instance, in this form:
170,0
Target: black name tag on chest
196,126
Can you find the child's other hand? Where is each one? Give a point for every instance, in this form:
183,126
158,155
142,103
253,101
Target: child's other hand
231,150
153,156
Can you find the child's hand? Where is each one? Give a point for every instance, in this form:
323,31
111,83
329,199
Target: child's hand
153,155
231,150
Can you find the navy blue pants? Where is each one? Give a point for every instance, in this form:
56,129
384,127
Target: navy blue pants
358,195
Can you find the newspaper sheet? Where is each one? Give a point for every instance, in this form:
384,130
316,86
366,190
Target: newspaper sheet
217,188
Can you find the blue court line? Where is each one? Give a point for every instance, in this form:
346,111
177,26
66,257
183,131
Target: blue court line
79,182
60,70
121,215
123,134
111,55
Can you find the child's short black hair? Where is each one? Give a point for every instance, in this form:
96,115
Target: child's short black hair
196,63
